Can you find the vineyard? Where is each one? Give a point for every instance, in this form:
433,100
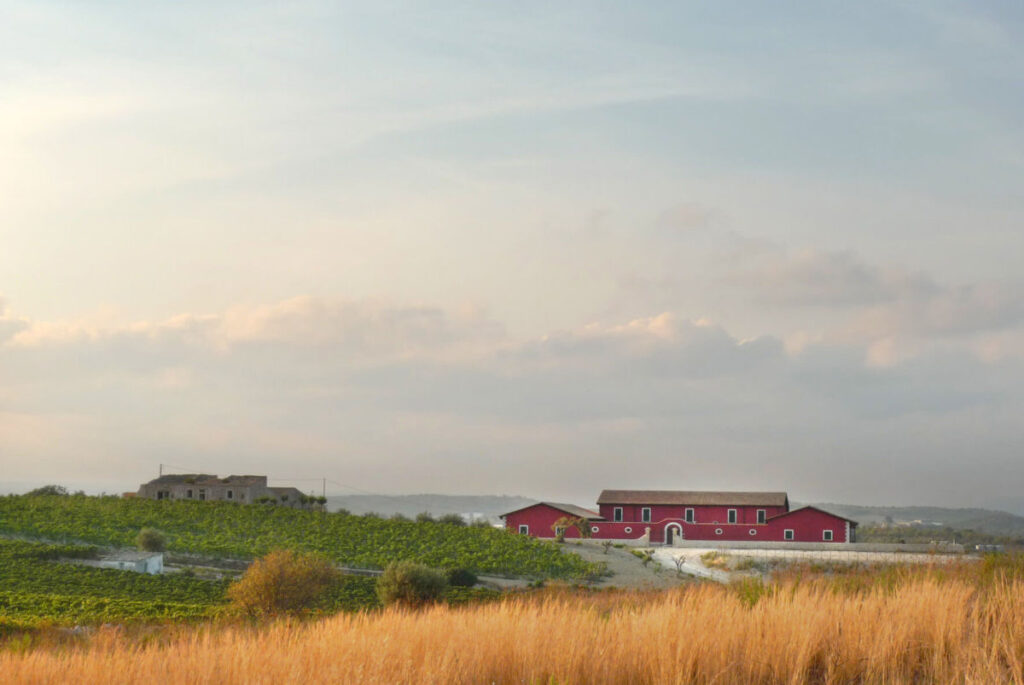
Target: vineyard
38,586
227,530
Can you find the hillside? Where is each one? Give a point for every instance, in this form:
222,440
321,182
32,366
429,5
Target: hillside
989,521
228,530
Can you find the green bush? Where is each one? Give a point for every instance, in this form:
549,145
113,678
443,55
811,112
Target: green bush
49,491
411,584
452,520
424,517
151,540
460,577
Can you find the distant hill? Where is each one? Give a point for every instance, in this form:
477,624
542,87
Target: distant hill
488,506
988,521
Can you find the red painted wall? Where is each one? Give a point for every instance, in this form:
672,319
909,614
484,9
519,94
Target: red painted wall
540,518
702,514
807,525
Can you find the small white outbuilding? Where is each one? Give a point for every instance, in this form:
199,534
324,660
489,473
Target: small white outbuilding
140,562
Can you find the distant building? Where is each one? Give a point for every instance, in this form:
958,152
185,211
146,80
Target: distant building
206,487
660,516
140,562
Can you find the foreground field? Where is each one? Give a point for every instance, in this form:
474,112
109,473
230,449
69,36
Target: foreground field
939,625
222,529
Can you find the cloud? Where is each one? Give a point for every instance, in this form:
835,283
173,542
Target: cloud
886,307
394,396
9,325
811,277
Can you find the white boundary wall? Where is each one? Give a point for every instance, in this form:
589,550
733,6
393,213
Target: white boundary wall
938,548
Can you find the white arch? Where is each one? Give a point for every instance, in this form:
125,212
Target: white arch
678,532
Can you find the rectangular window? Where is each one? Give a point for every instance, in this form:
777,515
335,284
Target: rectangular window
788,534
617,514
524,529
231,494
202,494
688,515
188,493
826,535
762,516
645,514
732,516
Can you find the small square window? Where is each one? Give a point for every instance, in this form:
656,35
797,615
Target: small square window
645,514
826,535
524,529
788,534
732,516
617,514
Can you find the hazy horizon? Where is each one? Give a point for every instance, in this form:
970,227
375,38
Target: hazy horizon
538,250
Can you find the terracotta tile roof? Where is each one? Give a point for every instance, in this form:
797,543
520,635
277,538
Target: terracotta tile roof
696,498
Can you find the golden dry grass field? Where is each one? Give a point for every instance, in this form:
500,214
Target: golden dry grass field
906,626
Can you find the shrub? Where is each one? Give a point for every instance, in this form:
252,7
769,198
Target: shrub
49,490
399,517
480,523
411,584
283,581
452,520
424,517
460,577
151,540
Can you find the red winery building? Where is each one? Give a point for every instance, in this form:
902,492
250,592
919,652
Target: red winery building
667,515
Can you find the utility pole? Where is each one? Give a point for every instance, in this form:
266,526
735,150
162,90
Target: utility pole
161,470
323,489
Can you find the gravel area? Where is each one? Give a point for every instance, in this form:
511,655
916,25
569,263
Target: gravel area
627,570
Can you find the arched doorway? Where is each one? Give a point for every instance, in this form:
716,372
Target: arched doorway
672,531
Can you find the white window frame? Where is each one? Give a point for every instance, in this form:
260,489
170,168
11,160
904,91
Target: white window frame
645,514
524,529
617,514
731,516
718,531
762,516
753,531
827,536
690,515
788,534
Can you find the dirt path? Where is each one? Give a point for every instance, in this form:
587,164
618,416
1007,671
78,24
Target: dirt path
627,570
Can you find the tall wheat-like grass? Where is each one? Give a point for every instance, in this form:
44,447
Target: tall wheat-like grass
925,630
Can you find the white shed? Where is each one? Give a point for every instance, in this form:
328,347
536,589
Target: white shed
140,562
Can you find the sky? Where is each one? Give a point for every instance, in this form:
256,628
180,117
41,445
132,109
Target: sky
528,248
